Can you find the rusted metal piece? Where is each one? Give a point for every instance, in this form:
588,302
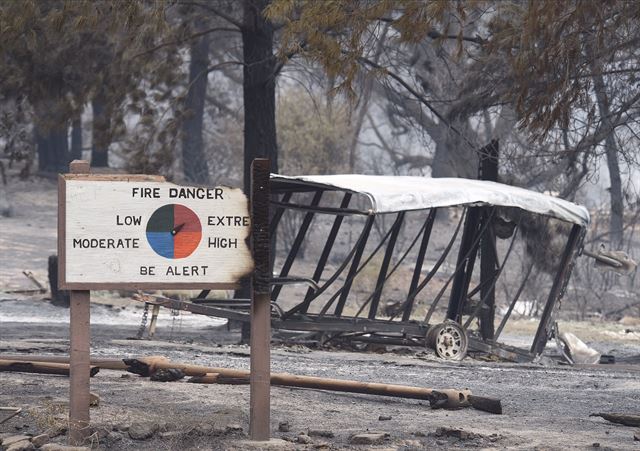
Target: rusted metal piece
544,332
217,378
34,366
454,398
29,275
97,362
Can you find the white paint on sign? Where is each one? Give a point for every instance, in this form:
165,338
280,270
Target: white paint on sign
127,232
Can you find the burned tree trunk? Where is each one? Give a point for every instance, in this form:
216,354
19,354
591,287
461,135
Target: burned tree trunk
194,161
488,257
76,139
259,94
259,86
53,149
100,134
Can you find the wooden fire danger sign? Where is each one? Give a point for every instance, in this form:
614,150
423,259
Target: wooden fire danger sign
142,232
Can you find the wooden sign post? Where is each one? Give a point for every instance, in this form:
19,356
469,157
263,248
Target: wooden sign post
141,232
79,347
260,378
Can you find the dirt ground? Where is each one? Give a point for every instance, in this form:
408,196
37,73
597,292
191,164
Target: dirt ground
545,407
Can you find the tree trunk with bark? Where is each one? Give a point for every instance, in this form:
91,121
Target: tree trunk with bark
259,86
194,161
53,149
76,139
100,135
616,218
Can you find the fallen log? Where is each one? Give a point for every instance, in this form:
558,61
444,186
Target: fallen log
620,418
447,398
39,367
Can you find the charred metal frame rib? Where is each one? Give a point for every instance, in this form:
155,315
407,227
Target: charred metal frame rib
491,289
564,271
375,300
326,251
464,267
331,279
349,324
459,266
513,302
277,215
417,270
351,278
393,270
354,266
325,210
295,247
520,289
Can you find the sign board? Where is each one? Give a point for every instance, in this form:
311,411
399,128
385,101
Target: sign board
142,232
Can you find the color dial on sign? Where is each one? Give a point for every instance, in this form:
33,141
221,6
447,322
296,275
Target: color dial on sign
174,231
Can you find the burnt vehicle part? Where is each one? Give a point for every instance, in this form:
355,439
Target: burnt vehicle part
452,242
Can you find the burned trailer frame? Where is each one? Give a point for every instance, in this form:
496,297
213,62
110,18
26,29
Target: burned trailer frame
483,207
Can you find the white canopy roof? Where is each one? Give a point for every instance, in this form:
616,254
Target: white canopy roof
390,194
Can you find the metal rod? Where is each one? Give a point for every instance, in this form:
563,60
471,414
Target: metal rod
491,289
295,247
417,270
354,267
520,289
451,398
464,267
278,215
326,251
435,302
382,275
393,270
331,279
564,271
324,210
513,303
352,277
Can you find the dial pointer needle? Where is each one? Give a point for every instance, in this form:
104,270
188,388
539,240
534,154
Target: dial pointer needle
178,228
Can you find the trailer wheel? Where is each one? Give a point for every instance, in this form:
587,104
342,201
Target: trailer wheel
449,340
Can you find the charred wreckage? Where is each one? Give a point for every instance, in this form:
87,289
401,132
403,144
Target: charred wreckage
462,240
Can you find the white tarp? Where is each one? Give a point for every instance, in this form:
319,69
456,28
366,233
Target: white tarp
390,194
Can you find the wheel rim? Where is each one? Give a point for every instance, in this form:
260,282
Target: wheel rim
451,342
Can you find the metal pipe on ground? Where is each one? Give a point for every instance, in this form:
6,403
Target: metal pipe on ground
98,362
146,366
32,366
447,398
